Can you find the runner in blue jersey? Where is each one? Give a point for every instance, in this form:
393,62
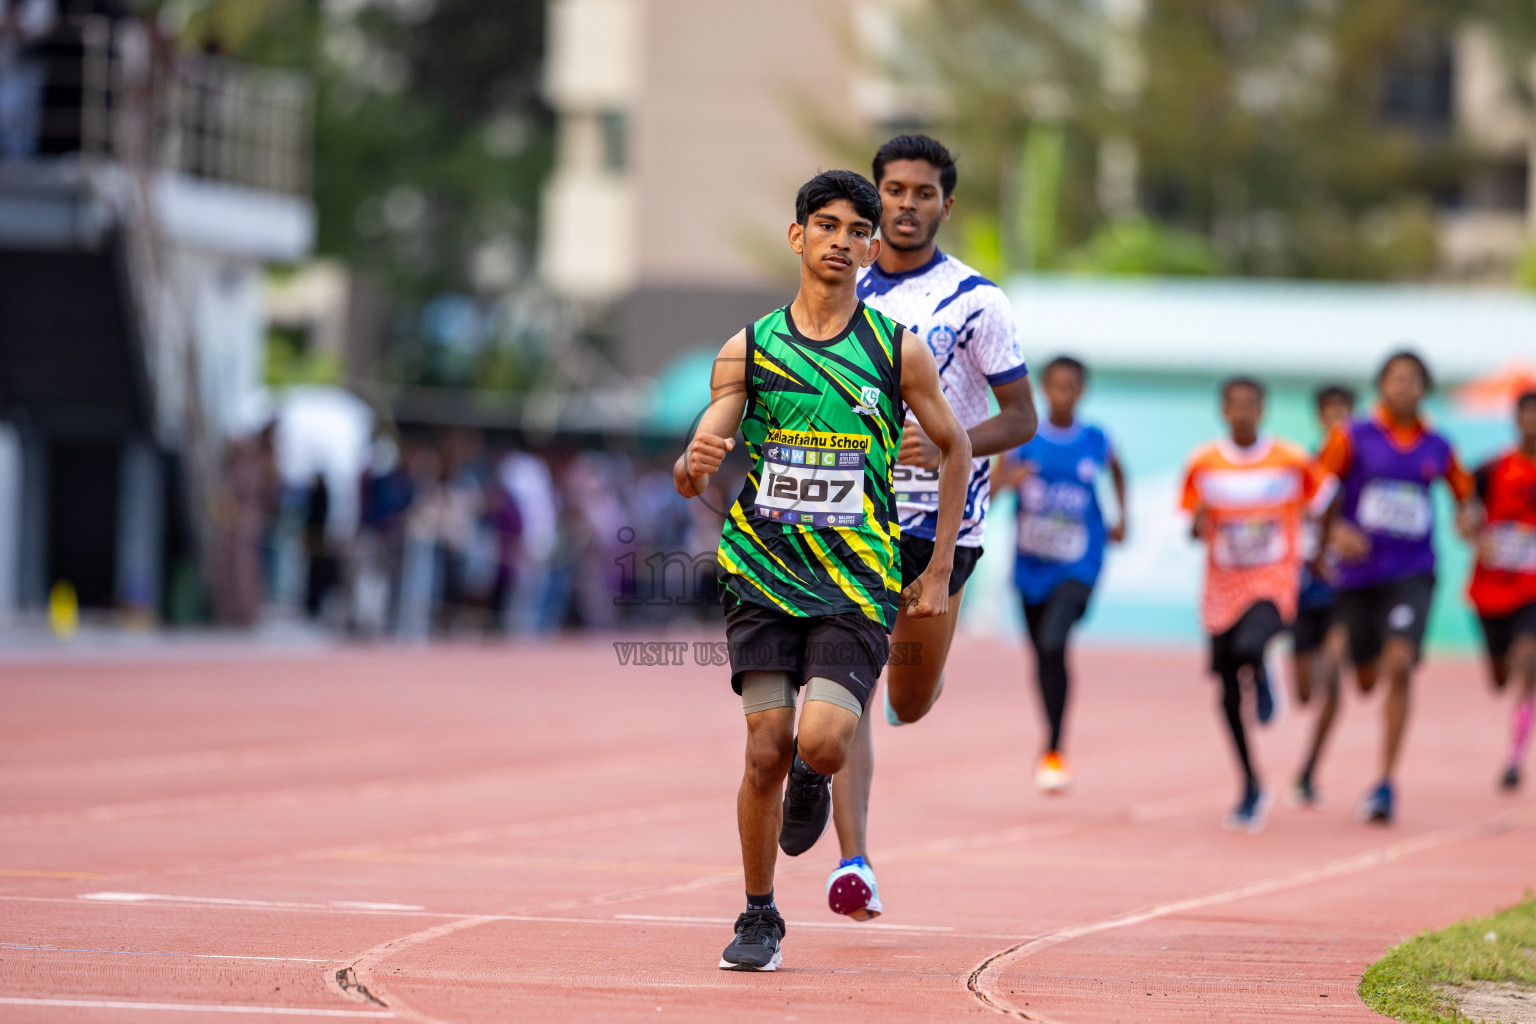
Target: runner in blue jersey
1060,540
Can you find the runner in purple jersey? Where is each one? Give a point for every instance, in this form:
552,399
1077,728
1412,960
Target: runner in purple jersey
1383,532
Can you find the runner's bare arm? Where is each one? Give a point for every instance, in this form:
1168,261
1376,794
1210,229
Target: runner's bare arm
1349,542
1009,472
1346,540
1117,477
920,390
716,433
1192,503
1013,425
1464,490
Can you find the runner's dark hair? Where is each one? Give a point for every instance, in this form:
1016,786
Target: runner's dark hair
1334,393
1409,356
919,147
830,186
1066,363
1233,383
1528,398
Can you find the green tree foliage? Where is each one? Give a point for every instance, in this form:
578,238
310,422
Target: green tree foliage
430,139
1307,139
995,68
1140,246
1525,273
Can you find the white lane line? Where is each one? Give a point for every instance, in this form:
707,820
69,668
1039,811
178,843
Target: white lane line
854,925
206,956
365,905
117,1004
201,761
145,897
1454,835
1174,806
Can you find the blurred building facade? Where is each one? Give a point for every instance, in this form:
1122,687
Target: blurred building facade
684,127
680,148
136,215
1494,218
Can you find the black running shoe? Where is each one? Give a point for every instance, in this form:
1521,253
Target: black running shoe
756,945
807,808
1511,780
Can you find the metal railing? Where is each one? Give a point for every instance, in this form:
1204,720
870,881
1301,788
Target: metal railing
114,92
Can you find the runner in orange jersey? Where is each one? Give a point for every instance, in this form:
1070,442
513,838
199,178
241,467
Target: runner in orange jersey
1248,494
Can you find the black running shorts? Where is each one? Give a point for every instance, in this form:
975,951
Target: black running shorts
1051,620
1396,609
1311,628
1500,631
916,552
848,649
1244,643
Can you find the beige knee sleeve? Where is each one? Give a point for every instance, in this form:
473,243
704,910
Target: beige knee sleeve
820,688
764,691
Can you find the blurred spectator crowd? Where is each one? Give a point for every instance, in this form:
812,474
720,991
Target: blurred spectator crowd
456,536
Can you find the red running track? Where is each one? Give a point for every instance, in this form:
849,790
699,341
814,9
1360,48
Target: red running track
540,834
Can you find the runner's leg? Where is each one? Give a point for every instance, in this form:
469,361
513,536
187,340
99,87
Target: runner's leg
770,748
826,732
1406,609
915,684
1396,668
1302,674
1327,667
1050,669
1226,664
1050,629
850,792
1232,706
1522,662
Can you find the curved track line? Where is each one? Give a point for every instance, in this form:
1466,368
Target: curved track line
357,980
993,1000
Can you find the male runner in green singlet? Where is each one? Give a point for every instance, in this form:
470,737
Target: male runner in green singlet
808,552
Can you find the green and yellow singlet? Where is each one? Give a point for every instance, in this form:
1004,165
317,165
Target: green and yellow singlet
814,530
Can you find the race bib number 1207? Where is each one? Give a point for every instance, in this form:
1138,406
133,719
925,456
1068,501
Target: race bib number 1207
811,478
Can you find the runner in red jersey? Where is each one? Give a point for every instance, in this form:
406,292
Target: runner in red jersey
1503,586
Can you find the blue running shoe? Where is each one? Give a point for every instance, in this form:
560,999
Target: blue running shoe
1264,706
852,892
1377,808
890,712
1251,812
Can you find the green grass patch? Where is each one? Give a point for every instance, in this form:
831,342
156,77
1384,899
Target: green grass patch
1407,982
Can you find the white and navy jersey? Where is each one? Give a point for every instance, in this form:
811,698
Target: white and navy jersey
968,324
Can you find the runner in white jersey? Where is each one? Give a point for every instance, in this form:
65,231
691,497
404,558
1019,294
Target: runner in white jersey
968,324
